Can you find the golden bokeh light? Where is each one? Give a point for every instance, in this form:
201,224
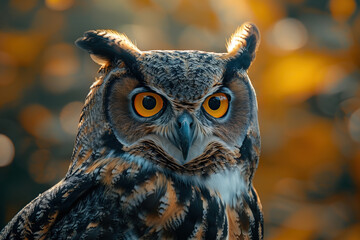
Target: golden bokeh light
69,117
23,47
232,13
266,12
36,120
288,34
7,150
296,76
59,5
342,9
60,66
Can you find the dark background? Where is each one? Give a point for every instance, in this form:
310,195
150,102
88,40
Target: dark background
306,75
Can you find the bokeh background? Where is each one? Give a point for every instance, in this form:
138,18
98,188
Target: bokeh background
306,75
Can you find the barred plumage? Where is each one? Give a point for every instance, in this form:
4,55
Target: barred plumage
182,172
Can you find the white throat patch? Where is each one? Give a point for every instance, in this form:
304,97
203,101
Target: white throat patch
230,184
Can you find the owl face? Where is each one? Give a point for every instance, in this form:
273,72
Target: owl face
185,110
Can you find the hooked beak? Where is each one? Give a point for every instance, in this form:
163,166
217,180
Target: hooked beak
185,133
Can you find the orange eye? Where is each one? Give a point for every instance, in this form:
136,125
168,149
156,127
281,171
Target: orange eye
216,105
147,104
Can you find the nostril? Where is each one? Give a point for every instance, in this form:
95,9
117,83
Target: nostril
183,120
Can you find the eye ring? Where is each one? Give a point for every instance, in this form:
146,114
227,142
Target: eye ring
148,104
216,105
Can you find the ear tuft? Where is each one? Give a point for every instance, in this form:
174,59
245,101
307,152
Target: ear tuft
107,46
243,44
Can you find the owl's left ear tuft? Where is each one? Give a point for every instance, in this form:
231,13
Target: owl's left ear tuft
107,46
243,44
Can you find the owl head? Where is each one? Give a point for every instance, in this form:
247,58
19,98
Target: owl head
188,112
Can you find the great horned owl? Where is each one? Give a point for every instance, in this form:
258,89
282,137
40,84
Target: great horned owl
167,146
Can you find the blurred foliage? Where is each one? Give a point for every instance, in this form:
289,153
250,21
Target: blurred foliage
306,75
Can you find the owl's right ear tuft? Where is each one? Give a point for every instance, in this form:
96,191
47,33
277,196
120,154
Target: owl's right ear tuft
107,46
243,44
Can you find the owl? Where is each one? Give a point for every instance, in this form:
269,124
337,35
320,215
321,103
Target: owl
167,146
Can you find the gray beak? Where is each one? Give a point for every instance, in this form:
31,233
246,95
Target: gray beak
185,132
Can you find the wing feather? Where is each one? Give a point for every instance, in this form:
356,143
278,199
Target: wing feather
36,218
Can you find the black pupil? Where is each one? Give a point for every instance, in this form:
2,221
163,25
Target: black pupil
149,102
214,103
